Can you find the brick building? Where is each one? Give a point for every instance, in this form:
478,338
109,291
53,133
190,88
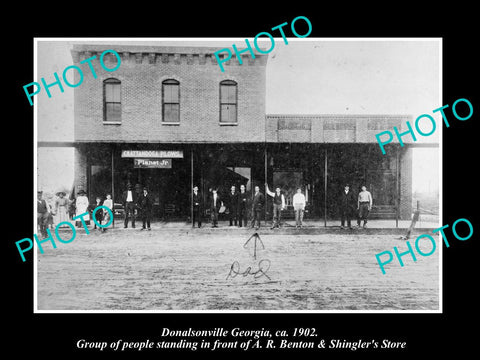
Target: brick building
168,118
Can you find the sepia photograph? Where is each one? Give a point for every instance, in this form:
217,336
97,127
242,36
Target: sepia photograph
168,183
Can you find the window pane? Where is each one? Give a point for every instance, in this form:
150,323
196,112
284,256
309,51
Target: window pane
113,112
112,92
228,94
223,93
108,92
171,113
228,113
116,93
232,113
232,94
170,93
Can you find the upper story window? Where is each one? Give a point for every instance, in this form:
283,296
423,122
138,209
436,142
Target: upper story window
112,104
171,101
228,102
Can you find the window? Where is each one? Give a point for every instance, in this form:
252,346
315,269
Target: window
112,104
228,102
171,101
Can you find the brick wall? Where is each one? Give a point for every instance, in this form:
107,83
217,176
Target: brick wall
141,75
405,183
336,128
80,169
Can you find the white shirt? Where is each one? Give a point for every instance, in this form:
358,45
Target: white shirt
299,200
108,203
365,196
129,195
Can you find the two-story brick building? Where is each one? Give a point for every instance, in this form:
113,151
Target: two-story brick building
168,118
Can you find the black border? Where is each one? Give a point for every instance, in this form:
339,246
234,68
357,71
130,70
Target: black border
432,334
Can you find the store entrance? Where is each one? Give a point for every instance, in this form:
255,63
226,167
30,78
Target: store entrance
170,187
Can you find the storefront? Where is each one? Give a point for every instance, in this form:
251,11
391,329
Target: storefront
170,171
168,119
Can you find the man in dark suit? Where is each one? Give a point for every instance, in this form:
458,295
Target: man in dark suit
145,205
215,203
242,206
257,207
42,214
129,199
233,205
347,205
197,207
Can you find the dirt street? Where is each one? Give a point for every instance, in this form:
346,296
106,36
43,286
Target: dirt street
168,269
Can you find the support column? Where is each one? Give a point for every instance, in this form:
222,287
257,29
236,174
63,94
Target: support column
325,184
265,187
80,169
397,186
405,183
113,182
191,185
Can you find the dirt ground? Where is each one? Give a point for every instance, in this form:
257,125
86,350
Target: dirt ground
200,269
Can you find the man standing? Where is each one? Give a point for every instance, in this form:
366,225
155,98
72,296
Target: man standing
197,207
145,205
257,207
233,205
42,214
299,203
347,203
242,206
129,199
278,205
364,206
215,204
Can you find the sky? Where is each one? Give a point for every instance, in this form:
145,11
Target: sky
305,76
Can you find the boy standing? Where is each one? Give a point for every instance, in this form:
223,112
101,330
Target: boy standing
364,206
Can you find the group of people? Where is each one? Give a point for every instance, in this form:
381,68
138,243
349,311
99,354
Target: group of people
65,210
83,206
363,203
134,203
236,203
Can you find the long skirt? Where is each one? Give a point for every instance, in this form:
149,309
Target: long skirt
62,215
86,218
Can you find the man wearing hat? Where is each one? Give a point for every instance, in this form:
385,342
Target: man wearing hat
347,204
215,204
145,205
129,199
197,207
257,207
232,206
61,208
242,206
42,213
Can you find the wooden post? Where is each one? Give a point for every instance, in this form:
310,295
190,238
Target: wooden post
113,185
416,215
191,186
325,181
397,187
265,188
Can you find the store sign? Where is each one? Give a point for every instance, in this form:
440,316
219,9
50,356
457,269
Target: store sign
152,163
168,154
